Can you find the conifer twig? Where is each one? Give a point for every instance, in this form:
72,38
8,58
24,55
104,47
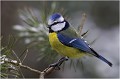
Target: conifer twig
80,27
42,74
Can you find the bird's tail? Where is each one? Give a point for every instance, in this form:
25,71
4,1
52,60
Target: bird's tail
105,60
102,58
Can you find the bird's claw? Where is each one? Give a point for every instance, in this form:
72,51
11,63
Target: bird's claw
55,65
58,63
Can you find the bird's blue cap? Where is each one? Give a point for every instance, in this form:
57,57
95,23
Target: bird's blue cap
55,16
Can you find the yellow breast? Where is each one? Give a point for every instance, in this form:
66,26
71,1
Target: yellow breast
62,49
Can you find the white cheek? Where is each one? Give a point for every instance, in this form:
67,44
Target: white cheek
58,27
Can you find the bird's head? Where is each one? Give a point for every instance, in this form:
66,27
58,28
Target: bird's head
57,23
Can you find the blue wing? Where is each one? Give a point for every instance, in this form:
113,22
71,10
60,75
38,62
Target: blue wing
74,42
81,45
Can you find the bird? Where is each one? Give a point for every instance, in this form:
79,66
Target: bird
64,39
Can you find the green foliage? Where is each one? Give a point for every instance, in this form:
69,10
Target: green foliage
7,50
8,69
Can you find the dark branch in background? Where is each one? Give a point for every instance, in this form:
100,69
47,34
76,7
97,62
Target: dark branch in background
84,33
48,70
80,27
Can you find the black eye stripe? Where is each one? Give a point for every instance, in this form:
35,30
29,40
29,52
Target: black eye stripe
55,24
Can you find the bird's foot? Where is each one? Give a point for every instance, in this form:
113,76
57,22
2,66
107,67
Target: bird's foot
58,63
55,65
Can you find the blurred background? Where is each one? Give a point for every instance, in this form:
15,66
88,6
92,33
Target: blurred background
102,22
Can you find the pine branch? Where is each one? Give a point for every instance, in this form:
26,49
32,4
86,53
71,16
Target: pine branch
29,68
42,74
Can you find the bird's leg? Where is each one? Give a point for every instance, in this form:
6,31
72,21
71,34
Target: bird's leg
58,63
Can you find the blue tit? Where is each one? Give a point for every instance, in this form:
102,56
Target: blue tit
64,39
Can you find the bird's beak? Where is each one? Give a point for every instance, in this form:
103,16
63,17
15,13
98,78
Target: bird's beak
48,26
